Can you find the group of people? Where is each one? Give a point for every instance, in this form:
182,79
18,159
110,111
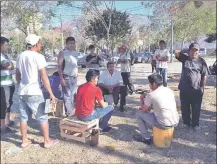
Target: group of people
87,101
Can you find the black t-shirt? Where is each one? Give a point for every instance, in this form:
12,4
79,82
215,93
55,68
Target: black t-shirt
192,72
89,57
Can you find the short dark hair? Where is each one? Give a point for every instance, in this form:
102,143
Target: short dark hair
155,78
162,41
70,39
3,40
91,47
110,63
91,74
195,45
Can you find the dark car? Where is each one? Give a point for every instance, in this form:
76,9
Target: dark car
148,57
212,69
139,58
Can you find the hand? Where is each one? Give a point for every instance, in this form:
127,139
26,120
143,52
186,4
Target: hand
53,100
63,83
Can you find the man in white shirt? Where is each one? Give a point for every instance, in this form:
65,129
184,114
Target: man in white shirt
110,82
162,58
162,101
125,61
68,73
30,68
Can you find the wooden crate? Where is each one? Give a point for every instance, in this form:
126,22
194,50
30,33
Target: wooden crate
74,129
58,109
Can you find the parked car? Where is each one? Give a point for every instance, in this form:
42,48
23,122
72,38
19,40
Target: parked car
115,58
212,69
82,60
139,58
148,57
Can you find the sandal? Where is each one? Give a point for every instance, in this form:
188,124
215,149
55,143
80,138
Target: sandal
54,142
28,144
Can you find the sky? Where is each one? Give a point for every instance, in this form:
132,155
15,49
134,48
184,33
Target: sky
134,8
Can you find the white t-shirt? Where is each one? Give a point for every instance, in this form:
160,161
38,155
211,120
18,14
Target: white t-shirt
29,63
71,62
125,67
162,53
163,102
108,79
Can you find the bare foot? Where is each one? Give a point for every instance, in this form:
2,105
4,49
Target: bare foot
51,143
26,143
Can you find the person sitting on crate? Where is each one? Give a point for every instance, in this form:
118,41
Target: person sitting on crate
162,100
87,95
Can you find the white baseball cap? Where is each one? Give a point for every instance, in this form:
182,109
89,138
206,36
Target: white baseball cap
32,39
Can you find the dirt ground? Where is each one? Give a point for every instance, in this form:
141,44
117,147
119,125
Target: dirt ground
118,146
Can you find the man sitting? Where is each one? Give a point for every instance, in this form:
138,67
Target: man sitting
162,101
87,94
110,82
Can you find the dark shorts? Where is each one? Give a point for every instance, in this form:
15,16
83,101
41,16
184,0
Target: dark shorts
6,99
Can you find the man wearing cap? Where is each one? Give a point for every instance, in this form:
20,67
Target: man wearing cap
7,86
191,85
88,94
68,72
30,68
162,57
125,61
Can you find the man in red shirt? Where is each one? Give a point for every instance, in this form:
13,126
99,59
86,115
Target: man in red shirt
87,95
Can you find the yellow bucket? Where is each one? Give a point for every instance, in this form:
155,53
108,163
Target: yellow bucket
162,138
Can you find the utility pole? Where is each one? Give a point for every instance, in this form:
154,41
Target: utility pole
62,31
171,57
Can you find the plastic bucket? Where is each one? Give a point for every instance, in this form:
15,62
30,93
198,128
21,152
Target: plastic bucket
162,138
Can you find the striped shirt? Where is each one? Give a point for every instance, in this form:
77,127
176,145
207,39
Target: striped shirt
6,75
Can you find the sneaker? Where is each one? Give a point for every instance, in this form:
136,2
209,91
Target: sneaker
121,109
196,128
139,138
107,129
185,125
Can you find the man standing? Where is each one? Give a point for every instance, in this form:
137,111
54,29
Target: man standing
162,101
93,60
68,72
162,58
30,69
125,61
88,94
191,85
7,86
110,82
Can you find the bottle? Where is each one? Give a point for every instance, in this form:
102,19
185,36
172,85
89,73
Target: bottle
94,141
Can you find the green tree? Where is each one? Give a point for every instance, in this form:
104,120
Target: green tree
192,22
119,27
211,38
24,13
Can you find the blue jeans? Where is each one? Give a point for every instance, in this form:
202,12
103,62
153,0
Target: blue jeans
69,93
32,105
104,114
163,73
